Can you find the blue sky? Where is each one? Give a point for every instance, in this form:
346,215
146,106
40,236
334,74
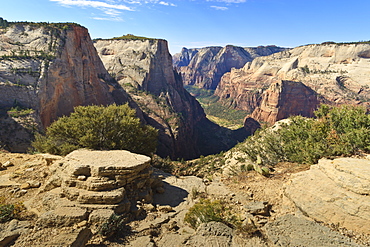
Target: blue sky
188,23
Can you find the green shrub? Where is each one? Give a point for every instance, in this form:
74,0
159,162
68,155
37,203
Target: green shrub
99,128
113,226
337,131
205,211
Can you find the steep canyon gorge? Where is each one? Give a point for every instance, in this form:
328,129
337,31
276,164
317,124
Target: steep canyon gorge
51,68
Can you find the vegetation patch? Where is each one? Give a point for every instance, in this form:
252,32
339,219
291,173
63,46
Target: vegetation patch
19,112
215,110
10,211
206,211
337,131
128,37
99,128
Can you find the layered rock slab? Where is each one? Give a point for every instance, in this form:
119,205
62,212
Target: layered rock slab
94,180
334,192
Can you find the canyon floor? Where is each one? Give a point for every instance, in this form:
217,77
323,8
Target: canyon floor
269,217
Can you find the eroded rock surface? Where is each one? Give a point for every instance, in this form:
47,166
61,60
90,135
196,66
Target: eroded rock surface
334,192
290,230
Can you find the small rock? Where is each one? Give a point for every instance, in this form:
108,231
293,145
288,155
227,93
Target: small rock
257,208
81,178
149,207
30,169
81,224
165,209
43,174
21,193
8,164
25,186
34,184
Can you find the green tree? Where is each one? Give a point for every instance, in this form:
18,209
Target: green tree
99,128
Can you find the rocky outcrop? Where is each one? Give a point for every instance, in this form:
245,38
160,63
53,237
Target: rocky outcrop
204,67
101,180
284,99
144,68
338,73
334,192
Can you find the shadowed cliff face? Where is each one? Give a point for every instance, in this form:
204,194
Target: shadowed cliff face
204,67
338,74
144,68
52,68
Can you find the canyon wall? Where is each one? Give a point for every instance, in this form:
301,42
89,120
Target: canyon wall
48,69
204,67
52,68
338,73
143,67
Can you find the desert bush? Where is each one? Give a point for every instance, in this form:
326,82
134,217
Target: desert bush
205,211
10,211
336,131
97,127
114,225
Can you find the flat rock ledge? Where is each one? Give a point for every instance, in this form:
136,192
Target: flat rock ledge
334,192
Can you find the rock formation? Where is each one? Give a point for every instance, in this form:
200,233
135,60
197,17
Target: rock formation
338,73
328,190
144,68
204,67
184,57
91,180
283,99
51,68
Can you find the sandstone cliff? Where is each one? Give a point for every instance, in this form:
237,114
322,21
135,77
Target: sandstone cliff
144,68
51,68
338,73
284,99
204,67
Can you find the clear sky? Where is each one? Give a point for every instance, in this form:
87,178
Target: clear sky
194,24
